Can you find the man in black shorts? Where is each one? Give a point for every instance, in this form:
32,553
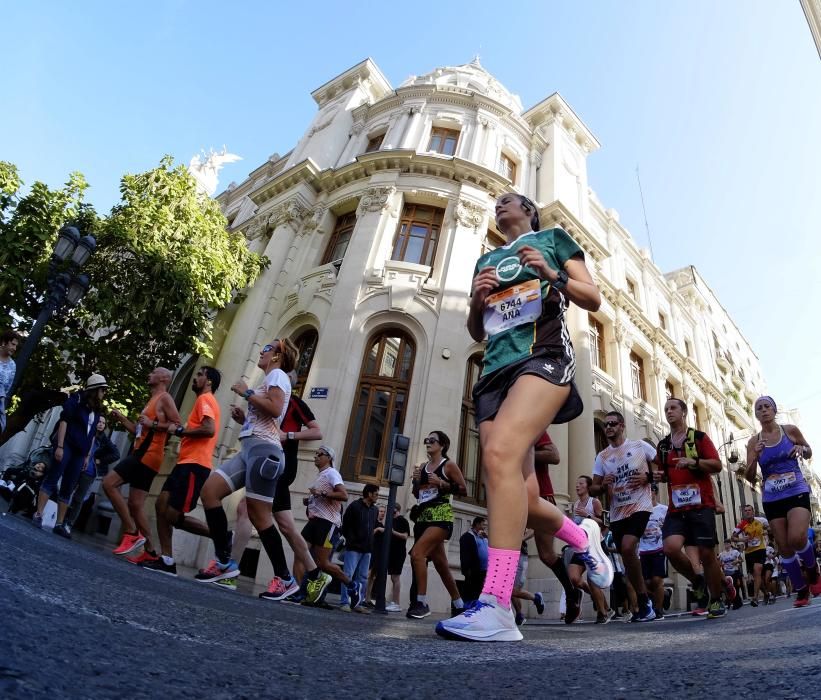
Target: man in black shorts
687,459
181,490
140,467
623,470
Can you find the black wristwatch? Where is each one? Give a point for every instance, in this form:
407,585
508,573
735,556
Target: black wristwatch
561,280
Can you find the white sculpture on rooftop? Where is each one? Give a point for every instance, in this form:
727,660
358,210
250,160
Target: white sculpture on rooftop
205,169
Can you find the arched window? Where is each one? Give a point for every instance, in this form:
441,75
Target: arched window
306,344
470,453
379,406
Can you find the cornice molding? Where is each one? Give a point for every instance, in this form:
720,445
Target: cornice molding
557,214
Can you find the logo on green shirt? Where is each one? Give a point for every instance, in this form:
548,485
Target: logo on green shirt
508,268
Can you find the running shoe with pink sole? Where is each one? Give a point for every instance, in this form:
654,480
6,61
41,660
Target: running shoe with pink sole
279,589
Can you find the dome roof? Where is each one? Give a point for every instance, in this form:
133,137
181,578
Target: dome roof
470,76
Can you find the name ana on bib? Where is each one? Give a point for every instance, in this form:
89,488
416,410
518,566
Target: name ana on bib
521,303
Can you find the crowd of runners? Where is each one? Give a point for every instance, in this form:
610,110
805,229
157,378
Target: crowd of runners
519,298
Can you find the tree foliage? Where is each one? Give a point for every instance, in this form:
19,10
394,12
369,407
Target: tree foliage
165,264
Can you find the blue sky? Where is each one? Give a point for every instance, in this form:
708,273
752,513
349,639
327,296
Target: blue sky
718,102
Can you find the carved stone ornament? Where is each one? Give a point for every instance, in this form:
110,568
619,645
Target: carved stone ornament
257,228
469,214
313,220
622,334
535,159
375,199
657,365
357,128
292,211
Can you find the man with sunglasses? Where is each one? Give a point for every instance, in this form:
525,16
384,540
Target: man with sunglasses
327,494
623,469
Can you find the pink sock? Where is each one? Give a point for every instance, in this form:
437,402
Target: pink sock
572,534
501,573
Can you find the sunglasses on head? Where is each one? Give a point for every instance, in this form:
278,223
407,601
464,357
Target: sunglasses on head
430,441
610,423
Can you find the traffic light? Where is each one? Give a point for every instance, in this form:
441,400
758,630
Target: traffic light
399,459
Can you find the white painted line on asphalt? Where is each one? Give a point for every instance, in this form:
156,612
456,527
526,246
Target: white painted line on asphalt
66,604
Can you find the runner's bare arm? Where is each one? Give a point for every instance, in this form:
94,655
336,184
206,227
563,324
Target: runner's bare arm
802,447
754,447
580,288
484,283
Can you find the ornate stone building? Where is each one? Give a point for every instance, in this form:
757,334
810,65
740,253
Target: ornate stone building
373,223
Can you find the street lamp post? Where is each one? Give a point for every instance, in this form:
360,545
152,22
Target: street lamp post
66,286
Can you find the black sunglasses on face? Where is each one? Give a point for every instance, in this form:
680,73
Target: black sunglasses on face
322,454
430,441
610,423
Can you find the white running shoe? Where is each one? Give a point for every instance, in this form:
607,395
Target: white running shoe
392,607
599,567
484,621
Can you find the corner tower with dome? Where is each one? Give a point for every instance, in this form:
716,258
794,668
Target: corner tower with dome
373,223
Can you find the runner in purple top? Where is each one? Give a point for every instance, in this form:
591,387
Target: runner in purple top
786,496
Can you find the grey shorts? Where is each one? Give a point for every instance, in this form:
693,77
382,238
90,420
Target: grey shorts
257,467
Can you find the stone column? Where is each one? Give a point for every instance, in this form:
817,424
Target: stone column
581,444
354,145
478,137
411,136
396,130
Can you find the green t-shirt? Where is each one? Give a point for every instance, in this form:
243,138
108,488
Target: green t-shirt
524,315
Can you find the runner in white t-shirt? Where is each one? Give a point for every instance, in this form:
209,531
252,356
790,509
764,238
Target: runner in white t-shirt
623,470
731,562
651,551
258,464
327,494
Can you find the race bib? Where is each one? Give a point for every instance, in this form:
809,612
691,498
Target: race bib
521,303
686,495
246,430
428,494
625,496
776,483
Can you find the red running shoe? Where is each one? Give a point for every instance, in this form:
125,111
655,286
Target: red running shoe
802,598
142,558
129,543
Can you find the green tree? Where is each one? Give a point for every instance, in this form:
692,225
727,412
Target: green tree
165,264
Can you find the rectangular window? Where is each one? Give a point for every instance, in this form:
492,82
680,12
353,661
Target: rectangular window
697,418
341,236
374,143
669,391
596,332
637,376
507,167
418,234
443,141
631,289
662,321
688,348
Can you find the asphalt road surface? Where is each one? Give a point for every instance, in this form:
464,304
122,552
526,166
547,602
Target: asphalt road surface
76,622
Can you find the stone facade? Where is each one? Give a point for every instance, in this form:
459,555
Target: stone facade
449,142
